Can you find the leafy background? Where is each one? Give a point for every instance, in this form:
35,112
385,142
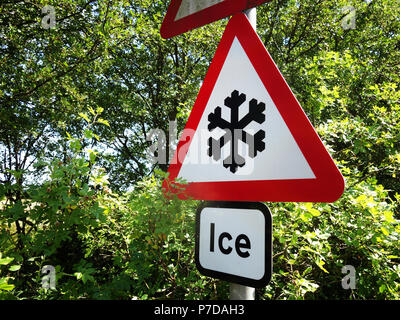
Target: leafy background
78,192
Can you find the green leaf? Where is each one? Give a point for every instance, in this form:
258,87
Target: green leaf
92,157
310,209
15,267
103,122
6,261
88,134
78,275
385,231
306,216
5,286
84,116
320,264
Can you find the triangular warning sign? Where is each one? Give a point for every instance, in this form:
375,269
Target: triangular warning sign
247,138
185,15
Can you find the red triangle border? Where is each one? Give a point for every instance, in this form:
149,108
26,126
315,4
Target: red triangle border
329,183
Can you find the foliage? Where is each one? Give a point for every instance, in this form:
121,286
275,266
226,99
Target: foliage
5,287
77,191
312,242
103,245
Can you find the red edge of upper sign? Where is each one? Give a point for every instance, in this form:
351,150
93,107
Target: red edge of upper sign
328,185
171,28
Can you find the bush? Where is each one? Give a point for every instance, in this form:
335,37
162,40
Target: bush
103,245
140,245
313,242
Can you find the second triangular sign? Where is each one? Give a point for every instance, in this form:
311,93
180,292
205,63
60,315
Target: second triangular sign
185,15
247,138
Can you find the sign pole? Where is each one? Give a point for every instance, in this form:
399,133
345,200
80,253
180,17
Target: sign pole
237,291
251,14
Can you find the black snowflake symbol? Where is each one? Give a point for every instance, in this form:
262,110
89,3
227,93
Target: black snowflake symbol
234,131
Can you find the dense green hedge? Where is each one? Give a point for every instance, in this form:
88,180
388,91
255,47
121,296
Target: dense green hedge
141,245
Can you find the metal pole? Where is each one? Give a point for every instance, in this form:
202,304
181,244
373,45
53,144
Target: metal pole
252,16
237,291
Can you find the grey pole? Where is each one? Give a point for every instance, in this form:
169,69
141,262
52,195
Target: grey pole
237,291
252,16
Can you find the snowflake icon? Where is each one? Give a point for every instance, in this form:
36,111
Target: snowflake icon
234,131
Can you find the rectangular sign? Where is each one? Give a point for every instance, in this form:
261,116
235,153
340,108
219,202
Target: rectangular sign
234,242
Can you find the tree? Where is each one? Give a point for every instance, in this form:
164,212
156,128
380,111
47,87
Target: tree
346,78
44,80
149,83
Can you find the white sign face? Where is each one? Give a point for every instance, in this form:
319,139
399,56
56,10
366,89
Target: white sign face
189,7
280,159
233,243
